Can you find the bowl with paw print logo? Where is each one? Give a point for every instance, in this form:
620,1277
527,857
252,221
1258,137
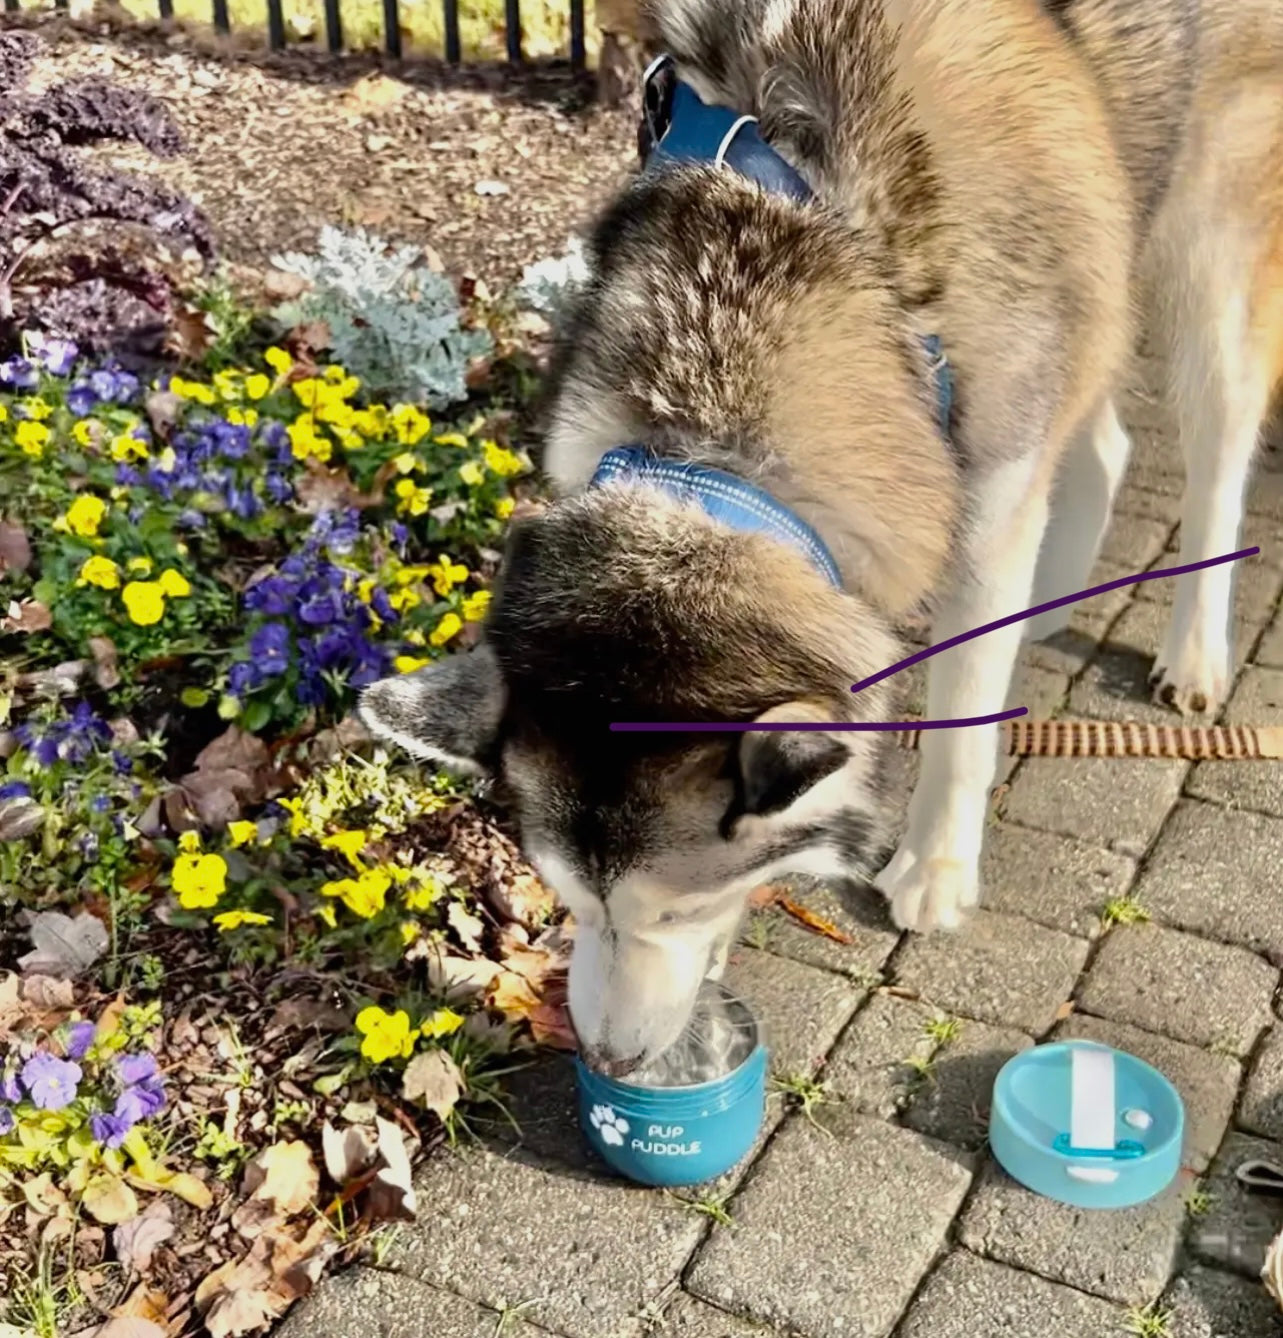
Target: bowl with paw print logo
693,1113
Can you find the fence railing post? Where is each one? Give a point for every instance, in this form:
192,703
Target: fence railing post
275,25
512,24
453,47
334,25
578,53
222,19
392,28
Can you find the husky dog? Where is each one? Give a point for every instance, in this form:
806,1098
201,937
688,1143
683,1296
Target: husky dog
990,174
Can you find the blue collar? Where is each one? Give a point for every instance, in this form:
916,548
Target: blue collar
678,127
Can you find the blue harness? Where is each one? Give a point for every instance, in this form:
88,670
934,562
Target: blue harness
679,127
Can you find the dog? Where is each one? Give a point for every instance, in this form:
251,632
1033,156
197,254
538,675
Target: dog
985,180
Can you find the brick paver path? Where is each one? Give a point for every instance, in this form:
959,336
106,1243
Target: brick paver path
891,1218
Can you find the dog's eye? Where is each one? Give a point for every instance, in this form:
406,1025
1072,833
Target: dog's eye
669,918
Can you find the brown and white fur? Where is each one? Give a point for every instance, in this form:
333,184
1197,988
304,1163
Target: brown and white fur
997,172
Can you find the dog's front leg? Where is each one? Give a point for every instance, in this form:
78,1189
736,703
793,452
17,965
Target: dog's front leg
935,873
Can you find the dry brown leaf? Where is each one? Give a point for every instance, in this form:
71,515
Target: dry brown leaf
43,1196
766,895
135,1242
144,1302
295,1014
550,1025
467,926
129,1326
47,992
521,897
15,548
452,977
1065,1010
374,92
433,1079
106,672
348,1154
109,1200
27,615
512,995
234,770
285,1176
239,1311
814,922
391,1192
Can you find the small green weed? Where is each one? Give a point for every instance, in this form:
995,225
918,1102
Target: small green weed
760,931
943,1030
1149,1322
510,1315
808,1092
40,1299
1122,911
1198,1202
712,1206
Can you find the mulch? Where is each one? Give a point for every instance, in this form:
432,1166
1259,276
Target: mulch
490,168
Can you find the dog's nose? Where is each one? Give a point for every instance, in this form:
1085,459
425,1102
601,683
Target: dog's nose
608,1066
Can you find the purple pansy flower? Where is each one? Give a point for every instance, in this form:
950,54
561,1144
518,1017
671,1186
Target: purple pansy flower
136,1068
110,1130
57,355
140,1103
243,678
80,1038
273,595
270,648
10,1088
51,1082
81,399
6,1121
18,373
15,790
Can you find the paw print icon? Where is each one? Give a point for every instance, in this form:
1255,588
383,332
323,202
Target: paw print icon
610,1126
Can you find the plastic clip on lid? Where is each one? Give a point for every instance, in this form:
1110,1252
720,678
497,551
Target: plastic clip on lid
1092,1113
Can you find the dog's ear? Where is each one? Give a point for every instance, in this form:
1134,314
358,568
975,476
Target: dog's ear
778,767
448,713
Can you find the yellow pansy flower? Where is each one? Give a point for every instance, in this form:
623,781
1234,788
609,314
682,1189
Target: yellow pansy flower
126,448
235,919
84,431
407,462
140,566
228,384
371,422
36,408
404,600
199,880
192,390
326,915
446,575
504,507
414,500
475,606
279,361
470,473
174,583
99,571
451,439
416,637
505,463
4,414
84,515
387,1035
306,441
410,425
257,385
444,1022
449,626
189,842
424,896
31,436
407,664
409,932
349,845
243,417
364,896
242,832
144,602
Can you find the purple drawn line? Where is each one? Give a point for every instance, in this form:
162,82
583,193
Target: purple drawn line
1046,608
828,726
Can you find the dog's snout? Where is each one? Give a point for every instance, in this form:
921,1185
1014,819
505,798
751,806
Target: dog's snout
607,1065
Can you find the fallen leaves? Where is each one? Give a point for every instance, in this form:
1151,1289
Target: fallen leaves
136,1242
232,772
109,1199
64,947
26,616
391,1193
15,548
283,1176
348,1155
433,1079
773,896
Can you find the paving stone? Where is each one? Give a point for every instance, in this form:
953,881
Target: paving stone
500,1231
801,1009
969,1297
1115,685
1125,1255
369,1303
1134,542
872,1065
543,1101
1270,651
1261,1109
1188,988
859,911
1091,613
1207,1082
1257,582
1055,880
1257,699
952,1102
1136,501
1203,1303
834,1228
1042,692
1217,873
1118,803
1064,652
1237,1227
996,968
689,1317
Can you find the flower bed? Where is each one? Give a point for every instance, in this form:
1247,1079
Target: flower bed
249,966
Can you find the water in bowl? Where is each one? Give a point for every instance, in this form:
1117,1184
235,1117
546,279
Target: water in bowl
719,1037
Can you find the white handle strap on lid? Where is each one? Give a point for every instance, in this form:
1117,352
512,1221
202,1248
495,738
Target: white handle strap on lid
1092,1112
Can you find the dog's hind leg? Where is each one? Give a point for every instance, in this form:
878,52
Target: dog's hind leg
935,873
1225,326
1081,505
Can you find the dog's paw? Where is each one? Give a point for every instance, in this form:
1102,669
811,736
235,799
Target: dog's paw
1191,684
610,1126
927,894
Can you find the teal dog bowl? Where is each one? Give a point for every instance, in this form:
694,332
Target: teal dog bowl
674,1136
1086,1125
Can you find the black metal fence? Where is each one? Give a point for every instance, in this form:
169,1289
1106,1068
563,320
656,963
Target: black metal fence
391,26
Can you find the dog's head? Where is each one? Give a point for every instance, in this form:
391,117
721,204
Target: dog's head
621,604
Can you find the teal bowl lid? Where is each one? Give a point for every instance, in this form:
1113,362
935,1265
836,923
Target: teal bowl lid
1086,1124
